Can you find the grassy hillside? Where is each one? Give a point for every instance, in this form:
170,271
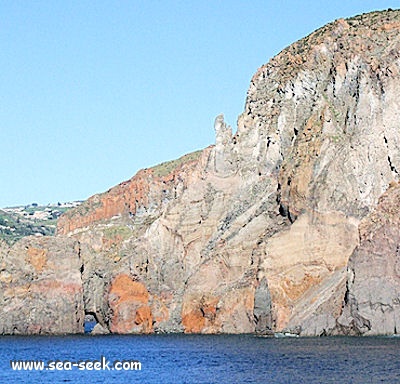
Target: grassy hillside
18,222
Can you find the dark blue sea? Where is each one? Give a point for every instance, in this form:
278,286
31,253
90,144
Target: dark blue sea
203,359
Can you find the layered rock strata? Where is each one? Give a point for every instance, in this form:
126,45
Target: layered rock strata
255,233
41,290
260,234
372,299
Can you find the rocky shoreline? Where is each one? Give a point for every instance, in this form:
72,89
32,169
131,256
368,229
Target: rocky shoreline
289,226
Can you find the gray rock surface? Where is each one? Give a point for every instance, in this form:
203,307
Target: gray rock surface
372,300
41,288
99,330
255,233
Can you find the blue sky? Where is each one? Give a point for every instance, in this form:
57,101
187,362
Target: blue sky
92,91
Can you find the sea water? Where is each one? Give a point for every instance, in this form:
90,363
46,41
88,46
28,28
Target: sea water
205,359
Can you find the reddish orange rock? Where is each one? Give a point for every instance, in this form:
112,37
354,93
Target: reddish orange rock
128,302
267,219
197,318
41,290
37,257
193,321
128,196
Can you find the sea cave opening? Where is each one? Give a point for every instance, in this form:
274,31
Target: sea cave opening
90,321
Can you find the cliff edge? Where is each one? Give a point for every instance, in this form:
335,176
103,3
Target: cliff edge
267,229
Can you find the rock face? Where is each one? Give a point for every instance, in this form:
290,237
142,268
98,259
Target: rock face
255,233
372,300
41,290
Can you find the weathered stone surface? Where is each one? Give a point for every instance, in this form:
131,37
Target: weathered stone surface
372,300
262,308
99,330
303,259
129,305
254,234
41,287
144,195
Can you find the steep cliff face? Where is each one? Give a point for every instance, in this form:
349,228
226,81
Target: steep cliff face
372,305
144,195
254,234
41,289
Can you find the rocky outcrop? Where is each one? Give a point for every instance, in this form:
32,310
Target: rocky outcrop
146,193
41,290
372,300
129,305
255,233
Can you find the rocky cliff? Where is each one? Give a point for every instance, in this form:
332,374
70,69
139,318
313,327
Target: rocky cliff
41,289
372,301
255,233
